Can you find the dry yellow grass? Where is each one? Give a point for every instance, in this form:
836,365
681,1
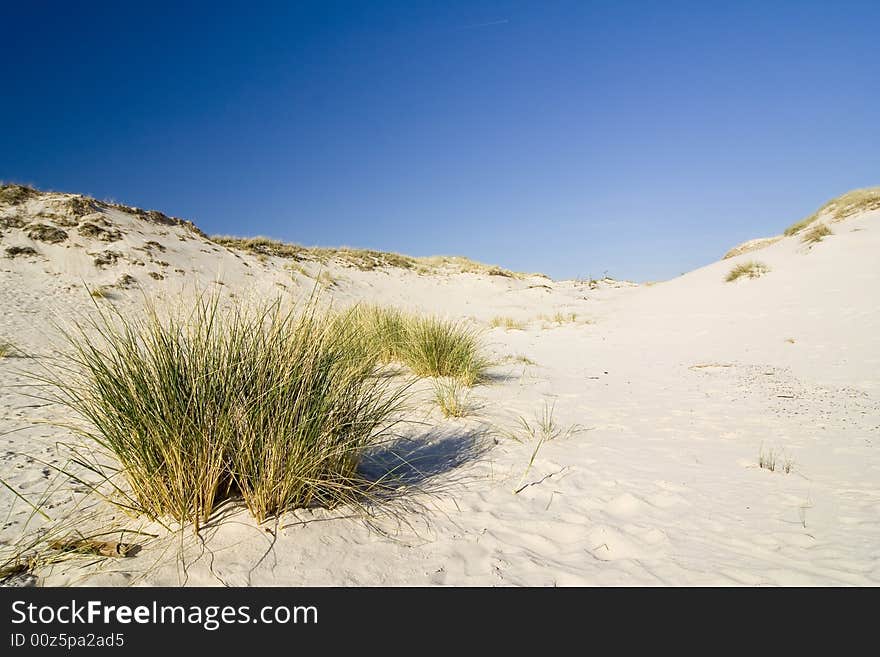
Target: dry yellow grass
507,323
838,209
364,259
429,346
816,234
451,396
750,269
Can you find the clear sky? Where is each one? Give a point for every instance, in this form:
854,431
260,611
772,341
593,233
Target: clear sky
574,138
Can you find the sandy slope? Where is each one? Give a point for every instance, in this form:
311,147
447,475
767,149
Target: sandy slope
673,390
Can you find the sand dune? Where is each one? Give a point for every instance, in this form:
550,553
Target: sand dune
667,398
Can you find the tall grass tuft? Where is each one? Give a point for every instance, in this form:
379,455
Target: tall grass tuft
272,404
750,269
816,234
451,397
383,329
429,346
436,347
508,323
842,207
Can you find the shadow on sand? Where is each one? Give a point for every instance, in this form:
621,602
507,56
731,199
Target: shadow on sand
426,461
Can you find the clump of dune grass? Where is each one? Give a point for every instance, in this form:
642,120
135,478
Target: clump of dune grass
750,269
543,426
461,265
842,207
771,460
428,345
104,233
438,347
274,405
13,194
85,532
451,397
507,323
767,460
816,234
364,259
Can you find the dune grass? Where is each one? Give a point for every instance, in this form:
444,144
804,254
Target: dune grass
6,349
271,405
365,259
15,251
772,460
384,329
268,404
816,234
544,428
13,194
437,347
46,233
838,209
507,323
750,269
427,345
451,397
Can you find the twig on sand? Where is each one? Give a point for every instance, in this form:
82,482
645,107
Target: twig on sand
541,480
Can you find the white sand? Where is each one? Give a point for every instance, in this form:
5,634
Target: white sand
675,388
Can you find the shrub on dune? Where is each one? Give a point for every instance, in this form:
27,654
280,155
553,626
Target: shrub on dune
507,323
816,234
842,207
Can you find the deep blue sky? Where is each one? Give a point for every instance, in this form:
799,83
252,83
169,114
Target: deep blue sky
641,138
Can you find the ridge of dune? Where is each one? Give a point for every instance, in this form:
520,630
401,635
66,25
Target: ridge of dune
851,204
37,221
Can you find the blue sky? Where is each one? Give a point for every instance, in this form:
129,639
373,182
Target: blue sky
574,138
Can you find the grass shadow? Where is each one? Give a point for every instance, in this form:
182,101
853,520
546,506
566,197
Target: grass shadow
424,462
